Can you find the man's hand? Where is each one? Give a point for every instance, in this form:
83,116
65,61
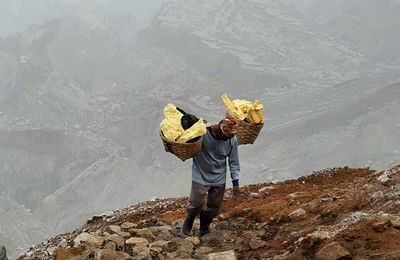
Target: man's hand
235,193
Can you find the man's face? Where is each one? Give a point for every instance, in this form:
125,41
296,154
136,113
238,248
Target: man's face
228,127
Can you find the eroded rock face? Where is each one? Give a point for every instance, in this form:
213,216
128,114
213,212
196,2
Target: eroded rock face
327,215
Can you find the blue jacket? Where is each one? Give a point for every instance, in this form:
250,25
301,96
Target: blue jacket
210,166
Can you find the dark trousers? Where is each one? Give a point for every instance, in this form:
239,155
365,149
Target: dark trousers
198,193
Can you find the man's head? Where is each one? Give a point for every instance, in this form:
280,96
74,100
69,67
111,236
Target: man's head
228,126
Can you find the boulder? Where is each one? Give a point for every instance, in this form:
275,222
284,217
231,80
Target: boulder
395,222
240,245
202,251
63,243
158,229
298,214
110,245
226,255
158,243
50,250
118,240
333,251
381,225
270,232
164,235
185,247
141,252
70,253
156,250
95,241
139,241
194,240
128,225
88,238
263,190
143,232
114,228
377,196
213,238
124,234
107,254
255,195
223,225
256,243
172,244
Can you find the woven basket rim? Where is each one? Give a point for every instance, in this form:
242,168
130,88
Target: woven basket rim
247,123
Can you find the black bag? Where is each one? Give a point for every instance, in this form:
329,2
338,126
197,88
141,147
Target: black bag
188,120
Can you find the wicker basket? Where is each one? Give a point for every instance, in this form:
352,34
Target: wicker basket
247,133
183,151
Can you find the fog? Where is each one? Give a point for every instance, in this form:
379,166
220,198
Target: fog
83,85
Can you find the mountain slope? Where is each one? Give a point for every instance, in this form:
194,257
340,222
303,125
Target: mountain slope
20,229
341,213
354,132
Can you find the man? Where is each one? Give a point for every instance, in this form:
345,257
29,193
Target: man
209,174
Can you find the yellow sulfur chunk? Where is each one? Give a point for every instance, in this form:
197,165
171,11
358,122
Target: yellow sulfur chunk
243,109
171,126
172,129
196,130
243,105
255,114
232,109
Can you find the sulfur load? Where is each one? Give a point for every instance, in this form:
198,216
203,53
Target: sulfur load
241,109
171,126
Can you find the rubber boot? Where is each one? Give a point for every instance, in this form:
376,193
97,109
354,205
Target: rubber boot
205,222
188,224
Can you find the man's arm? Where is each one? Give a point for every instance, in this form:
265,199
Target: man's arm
234,165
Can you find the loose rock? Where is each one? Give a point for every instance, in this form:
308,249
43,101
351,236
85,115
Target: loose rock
128,225
381,225
107,254
194,240
256,243
298,214
124,234
139,241
118,240
141,252
333,251
226,255
377,196
114,228
203,250
255,195
81,238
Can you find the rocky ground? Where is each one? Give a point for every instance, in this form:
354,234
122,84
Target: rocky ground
340,213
